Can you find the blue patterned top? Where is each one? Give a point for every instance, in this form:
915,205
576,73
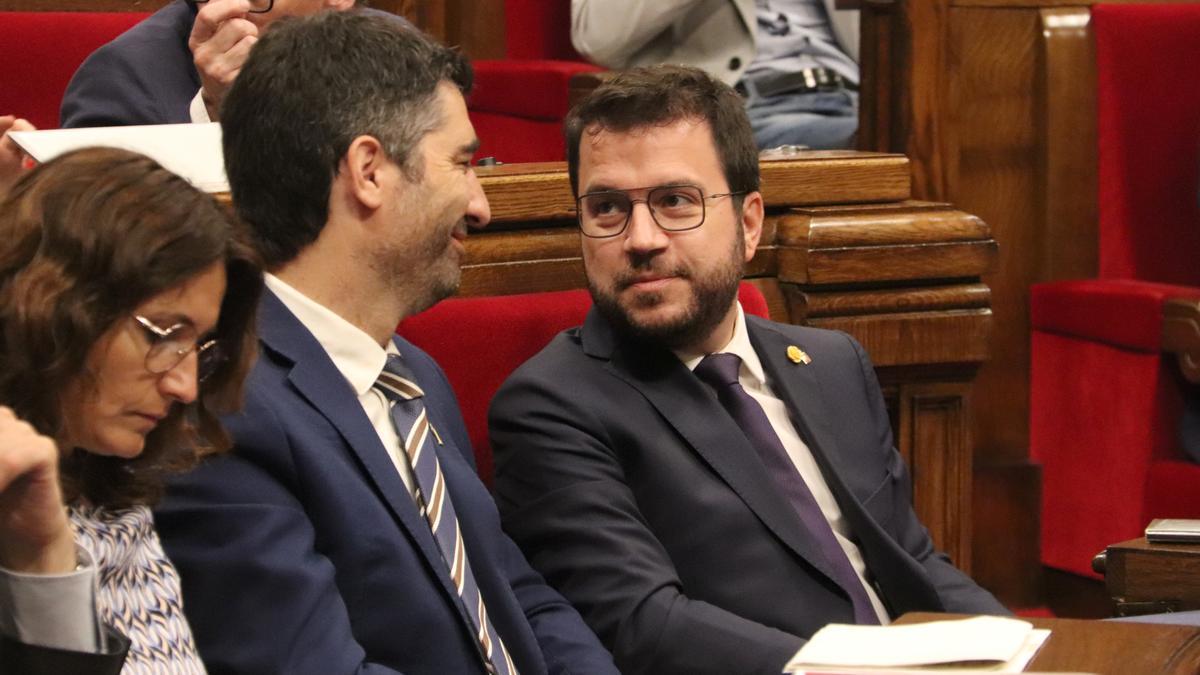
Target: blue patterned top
139,591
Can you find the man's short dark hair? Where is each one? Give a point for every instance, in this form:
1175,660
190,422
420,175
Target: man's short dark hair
309,88
662,95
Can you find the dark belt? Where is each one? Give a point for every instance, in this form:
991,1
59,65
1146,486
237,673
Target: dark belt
765,85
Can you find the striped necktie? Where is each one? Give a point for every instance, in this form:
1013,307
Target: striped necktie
397,383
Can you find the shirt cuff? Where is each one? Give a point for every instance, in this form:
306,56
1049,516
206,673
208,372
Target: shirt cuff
197,110
52,610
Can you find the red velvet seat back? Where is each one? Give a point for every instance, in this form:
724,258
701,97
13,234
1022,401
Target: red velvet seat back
480,341
1148,92
40,51
538,29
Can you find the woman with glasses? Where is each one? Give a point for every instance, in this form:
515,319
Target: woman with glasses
126,326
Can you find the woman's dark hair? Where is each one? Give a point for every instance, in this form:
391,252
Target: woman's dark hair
84,240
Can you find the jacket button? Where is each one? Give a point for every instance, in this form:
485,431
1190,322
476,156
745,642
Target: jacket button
735,63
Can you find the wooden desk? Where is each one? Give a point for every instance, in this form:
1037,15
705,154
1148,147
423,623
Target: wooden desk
1108,648
1145,578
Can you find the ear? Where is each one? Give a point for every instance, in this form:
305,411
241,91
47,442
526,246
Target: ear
362,170
752,221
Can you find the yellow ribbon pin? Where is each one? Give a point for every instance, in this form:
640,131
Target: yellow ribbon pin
798,355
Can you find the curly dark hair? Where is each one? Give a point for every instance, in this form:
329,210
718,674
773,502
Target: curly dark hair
84,240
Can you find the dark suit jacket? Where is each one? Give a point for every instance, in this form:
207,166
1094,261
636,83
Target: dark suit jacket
19,658
302,552
633,491
145,76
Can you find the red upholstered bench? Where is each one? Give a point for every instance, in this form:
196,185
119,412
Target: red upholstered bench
1105,403
40,51
480,341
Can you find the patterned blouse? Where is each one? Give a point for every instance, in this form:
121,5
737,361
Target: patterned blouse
138,592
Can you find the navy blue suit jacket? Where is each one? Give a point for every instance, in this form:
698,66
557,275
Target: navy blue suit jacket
303,552
637,495
144,76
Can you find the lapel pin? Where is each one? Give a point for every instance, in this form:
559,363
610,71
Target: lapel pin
798,355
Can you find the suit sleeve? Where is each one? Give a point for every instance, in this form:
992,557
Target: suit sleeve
266,600
108,90
957,591
567,644
564,499
20,658
607,32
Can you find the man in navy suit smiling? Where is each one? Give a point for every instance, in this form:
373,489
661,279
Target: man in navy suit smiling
348,531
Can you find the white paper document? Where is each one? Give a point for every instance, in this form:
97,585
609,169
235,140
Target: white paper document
190,150
982,644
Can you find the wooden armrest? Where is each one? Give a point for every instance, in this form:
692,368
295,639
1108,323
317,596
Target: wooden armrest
1181,334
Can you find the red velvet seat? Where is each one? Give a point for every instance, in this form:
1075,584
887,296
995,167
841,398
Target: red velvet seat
40,51
1105,402
480,341
518,103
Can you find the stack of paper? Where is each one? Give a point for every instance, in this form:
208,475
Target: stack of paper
190,150
985,644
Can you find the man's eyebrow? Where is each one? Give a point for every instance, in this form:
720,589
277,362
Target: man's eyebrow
605,187
469,148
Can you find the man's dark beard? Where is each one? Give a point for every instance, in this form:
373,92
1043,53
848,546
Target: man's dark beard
710,303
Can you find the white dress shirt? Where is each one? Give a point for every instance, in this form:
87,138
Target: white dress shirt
753,379
52,610
360,360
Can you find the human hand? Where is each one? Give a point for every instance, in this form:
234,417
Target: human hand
220,42
35,535
12,158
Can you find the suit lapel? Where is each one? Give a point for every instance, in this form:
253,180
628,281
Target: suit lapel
318,381
898,575
691,409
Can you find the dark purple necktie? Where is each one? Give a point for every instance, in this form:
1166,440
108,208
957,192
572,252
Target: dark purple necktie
720,371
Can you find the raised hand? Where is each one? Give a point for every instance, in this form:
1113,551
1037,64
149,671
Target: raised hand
220,42
35,535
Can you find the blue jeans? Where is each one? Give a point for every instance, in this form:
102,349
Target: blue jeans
821,120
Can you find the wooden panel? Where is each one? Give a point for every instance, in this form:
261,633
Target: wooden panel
918,337
477,27
909,240
933,422
931,298
1066,105
993,63
525,192
1006,505
1161,576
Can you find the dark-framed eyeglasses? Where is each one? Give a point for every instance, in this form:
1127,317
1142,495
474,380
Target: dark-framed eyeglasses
170,346
256,6
674,208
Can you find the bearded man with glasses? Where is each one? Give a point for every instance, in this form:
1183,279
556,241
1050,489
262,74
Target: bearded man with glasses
176,66
707,488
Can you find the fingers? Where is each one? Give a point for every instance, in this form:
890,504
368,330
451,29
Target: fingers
221,40
23,450
12,158
213,15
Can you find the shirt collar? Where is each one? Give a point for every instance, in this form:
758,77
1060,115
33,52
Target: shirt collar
355,354
740,345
